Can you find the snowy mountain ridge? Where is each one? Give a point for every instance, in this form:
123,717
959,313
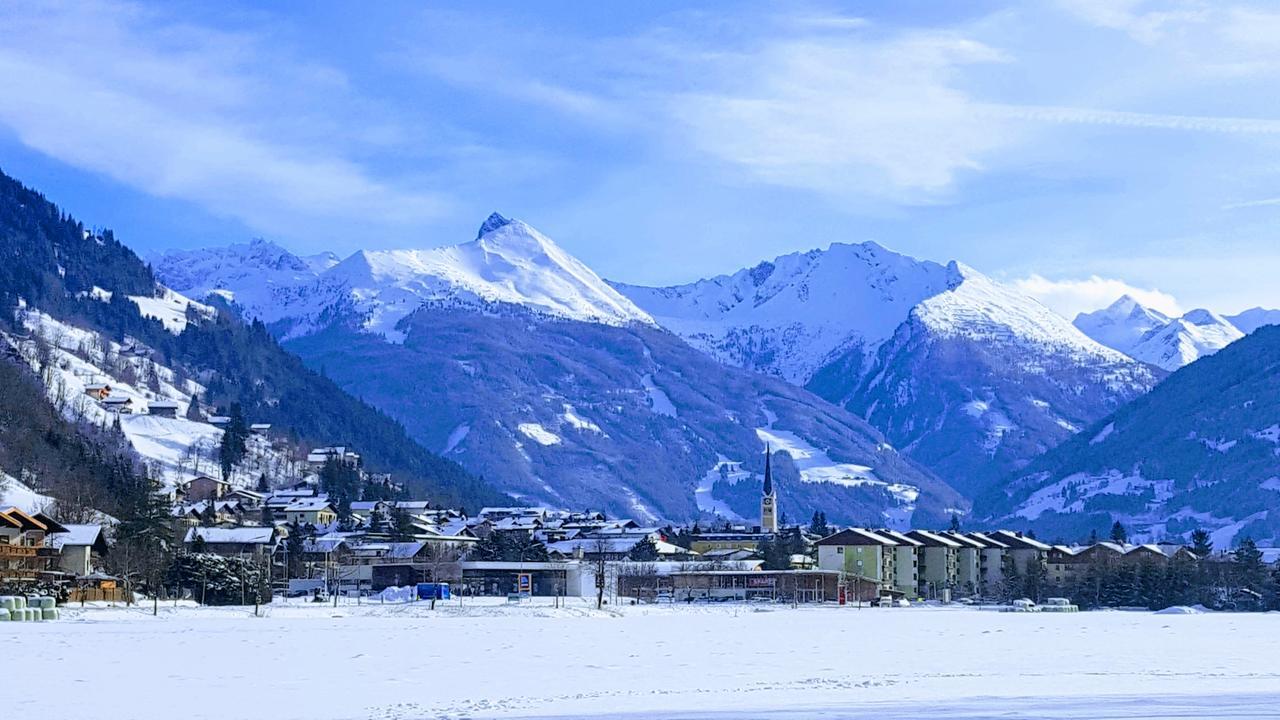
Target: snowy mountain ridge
509,263
1152,337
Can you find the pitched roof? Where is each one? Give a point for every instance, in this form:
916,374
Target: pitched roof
232,536
933,539
857,536
1018,541
76,536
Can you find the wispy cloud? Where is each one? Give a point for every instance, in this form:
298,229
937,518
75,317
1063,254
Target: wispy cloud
1071,297
186,112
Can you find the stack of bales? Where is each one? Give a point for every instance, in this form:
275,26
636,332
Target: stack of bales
27,609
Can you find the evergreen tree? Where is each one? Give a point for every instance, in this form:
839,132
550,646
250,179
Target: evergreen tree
1119,535
1249,569
193,409
1201,543
341,481
644,551
818,525
955,523
402,529
1093,536
263,486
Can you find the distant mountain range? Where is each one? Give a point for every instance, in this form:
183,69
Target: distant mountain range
512,357
1168,342
964,374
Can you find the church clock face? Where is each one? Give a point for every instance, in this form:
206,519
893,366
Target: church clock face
768,502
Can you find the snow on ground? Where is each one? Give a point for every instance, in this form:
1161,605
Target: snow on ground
578,422
491,660
816,466
538,434
14,494
1072,492
659,401
170,309
707,502
456,437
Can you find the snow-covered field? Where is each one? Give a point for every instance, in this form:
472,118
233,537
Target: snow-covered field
402,662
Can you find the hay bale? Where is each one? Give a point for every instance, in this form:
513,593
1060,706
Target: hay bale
4,615
8,602
20,603
49,614
47,603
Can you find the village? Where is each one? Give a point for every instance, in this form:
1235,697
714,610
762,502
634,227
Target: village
342,533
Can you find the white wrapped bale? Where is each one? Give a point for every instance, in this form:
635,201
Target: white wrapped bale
49,613
8,602
47,603
4,615
20,603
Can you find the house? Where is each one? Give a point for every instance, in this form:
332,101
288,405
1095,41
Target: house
203,487
260,428
257,542
97,391
705,542
319,457
315,511
860,553
23,555
82,548
938,558
218,420
163,408
117,404
248,499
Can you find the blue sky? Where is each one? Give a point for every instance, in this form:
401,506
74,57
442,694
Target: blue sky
1080,148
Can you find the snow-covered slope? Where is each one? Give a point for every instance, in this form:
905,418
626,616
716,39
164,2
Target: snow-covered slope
1121,325
509,263
1186,339
1199,451
1152,337
790,316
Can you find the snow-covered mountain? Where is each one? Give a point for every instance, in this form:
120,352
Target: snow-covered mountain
509,263
1254,318
1122,324
791,316
510,356
1152,337
965,374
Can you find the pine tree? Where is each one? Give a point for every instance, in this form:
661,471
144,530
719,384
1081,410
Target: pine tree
264,485
193,409
1119,535
402,529
955,523
644,551
1249,569
1201,543
818,525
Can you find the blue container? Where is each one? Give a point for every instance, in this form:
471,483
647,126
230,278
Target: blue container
433,591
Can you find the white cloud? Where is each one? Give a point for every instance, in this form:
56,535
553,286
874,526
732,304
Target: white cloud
1072,297
844,115
211,117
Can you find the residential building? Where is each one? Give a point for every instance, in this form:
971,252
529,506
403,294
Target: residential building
860,553
938,557
968,563
81,549
163,408
256,542
906,562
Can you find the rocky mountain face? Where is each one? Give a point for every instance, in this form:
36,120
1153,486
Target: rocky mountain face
1154,338
961,373
512,357
1201,450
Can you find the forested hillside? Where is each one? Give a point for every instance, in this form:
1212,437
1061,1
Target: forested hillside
87,278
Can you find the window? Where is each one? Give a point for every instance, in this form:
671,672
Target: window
839,551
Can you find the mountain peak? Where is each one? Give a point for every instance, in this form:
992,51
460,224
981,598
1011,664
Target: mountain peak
491,223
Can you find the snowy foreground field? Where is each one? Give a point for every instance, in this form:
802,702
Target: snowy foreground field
405,662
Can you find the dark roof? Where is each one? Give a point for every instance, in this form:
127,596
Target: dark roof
768,472
857,536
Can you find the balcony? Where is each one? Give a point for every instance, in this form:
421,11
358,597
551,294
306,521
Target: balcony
17,551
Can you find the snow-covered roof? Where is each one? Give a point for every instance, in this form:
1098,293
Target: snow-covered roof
308,504
933,539
76,536
232,536
857,536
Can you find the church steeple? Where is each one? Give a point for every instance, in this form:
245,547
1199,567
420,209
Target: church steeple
768,499
768,471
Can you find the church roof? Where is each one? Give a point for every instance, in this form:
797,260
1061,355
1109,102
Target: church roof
768,471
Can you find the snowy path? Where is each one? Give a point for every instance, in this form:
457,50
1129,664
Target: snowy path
398,662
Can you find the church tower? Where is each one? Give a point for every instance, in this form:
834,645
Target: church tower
769,498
